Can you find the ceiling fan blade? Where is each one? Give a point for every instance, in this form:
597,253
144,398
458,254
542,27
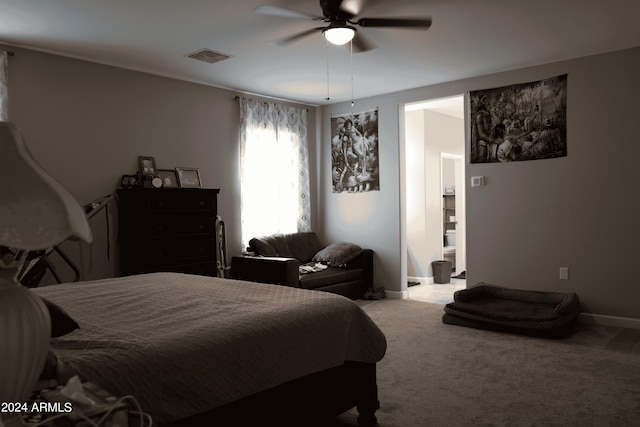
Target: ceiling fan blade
416,23
352,7
295,37
280,11
361,44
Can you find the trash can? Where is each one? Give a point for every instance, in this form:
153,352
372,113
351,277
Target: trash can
441,271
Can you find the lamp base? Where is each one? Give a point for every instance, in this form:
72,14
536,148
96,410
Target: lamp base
25,330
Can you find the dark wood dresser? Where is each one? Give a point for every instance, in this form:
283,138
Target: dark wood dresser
171,229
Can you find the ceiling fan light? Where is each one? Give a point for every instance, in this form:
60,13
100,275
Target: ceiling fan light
339,35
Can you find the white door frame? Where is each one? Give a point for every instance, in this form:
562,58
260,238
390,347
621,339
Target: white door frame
461,221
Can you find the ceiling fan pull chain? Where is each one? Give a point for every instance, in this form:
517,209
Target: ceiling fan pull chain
327,98
351,48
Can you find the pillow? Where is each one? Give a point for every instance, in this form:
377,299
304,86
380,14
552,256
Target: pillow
337,254
61,322
49,371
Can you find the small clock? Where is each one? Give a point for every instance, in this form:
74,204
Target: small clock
156,182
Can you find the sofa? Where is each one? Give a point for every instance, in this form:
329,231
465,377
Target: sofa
300,260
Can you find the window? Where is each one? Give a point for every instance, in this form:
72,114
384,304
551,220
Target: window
273,169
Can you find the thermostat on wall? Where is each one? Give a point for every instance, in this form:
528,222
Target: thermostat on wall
477,181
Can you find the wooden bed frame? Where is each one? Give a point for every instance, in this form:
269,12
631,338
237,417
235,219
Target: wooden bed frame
305,401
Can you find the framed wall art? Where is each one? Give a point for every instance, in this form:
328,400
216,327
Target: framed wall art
525,121
354,152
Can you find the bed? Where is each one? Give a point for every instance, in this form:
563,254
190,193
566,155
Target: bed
193,348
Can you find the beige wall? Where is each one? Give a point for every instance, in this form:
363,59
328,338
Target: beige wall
88,123
531,217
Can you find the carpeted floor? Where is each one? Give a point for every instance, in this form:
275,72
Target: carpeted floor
442,375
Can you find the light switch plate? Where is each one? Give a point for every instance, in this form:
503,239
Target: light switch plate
477,181
564,273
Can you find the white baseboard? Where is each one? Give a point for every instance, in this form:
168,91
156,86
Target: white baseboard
601,319
396,294
421,280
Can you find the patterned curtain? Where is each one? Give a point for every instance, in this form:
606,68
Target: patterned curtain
274,169
4,102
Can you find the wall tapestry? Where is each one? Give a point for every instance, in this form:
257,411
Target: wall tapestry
354,152
521,122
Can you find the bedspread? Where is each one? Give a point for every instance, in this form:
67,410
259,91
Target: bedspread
183,344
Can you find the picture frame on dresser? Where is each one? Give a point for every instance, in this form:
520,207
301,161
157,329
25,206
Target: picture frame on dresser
147,165
169,178
129,181
189,177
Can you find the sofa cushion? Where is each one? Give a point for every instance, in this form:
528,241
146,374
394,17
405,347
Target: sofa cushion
330,276
301,246
270,245
337,254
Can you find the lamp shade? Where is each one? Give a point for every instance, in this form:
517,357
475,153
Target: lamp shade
339,35
36,212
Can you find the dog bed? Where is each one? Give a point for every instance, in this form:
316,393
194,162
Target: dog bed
537,313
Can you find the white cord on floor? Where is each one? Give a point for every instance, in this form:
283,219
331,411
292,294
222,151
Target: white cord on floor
143,416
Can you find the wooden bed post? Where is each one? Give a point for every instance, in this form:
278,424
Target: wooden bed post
368,402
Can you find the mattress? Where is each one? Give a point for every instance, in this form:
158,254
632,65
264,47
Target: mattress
184,344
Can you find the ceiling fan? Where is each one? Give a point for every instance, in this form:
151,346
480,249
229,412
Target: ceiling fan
340,15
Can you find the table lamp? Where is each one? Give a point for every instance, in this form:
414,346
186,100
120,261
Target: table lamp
36,213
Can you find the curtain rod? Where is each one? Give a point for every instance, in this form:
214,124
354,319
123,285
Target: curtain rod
237,98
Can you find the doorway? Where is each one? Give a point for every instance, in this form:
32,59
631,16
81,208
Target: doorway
435,194
453,211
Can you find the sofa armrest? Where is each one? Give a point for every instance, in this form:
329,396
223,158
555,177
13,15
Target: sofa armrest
276,270
365,262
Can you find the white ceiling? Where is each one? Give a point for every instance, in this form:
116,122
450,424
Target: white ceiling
450,106
467,38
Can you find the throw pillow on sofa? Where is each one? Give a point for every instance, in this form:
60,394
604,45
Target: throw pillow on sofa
337,254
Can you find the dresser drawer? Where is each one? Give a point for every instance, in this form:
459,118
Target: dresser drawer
170,249
204,268
172,201
201,269
178,224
